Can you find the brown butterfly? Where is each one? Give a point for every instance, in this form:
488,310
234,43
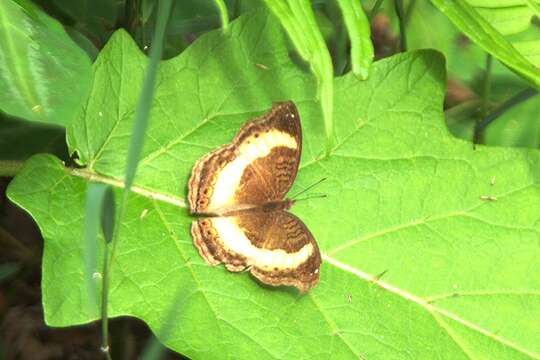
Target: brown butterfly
240,189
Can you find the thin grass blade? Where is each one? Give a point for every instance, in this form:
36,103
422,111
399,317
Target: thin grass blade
99,204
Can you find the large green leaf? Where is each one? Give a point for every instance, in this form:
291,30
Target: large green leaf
44,75
404,198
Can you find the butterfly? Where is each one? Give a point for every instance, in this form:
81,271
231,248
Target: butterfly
240,188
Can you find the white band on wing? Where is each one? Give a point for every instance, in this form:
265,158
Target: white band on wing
235,240
228,179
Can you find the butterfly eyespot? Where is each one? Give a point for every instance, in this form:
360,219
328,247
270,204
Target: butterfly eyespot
206,191
256,135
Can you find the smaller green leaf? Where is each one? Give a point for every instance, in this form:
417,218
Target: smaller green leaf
282,11
83,42
298,19
534,6
530,49
484,33
360,36
507,20
44,75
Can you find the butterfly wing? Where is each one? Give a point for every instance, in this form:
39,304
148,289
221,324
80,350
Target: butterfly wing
276,246
259,166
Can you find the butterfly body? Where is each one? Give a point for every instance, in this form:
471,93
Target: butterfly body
240,188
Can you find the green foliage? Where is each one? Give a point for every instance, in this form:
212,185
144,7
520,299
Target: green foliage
466,65
298,19
44,76
358,28
95,18
485,23
405,198
518,127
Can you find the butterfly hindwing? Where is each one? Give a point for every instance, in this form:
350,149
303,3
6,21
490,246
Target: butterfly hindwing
259,166
276,246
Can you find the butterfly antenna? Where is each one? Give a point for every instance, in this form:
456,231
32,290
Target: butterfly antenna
308,188
313,196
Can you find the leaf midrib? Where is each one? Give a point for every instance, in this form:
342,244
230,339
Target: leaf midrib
433,310
148,193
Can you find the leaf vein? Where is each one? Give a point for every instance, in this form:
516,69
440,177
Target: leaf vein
425,304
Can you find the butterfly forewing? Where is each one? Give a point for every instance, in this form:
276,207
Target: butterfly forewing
259,166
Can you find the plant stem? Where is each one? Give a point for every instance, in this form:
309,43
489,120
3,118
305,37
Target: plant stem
223,14
486,89
10,168
487,85
131,12
398,5
134,151
105,304
7,240
409,11
504,107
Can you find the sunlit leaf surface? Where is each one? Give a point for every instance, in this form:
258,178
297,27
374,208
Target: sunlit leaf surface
452,230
